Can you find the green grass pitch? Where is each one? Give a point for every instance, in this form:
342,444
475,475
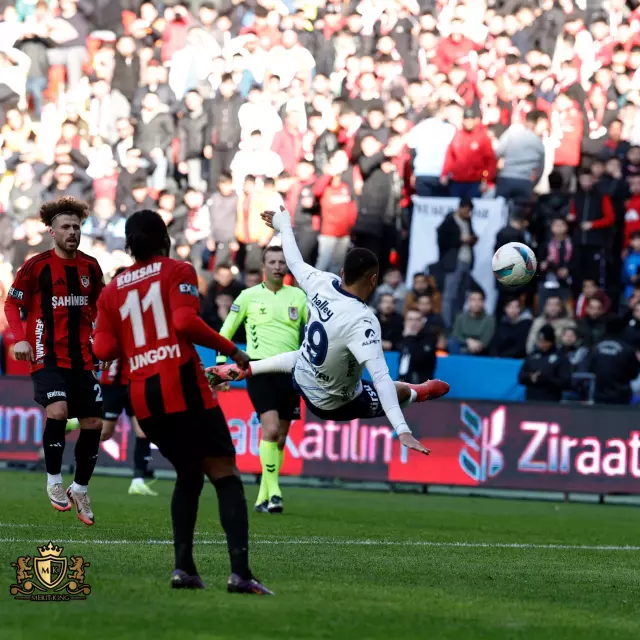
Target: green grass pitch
352,565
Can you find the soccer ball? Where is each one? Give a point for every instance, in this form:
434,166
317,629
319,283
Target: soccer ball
514,264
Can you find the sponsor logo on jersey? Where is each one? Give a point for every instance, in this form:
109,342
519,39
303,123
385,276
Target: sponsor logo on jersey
293,313
189,289
322,306
69,301
16,293
129,277
39,331
153,356
84,281
369,338
56,394
235,308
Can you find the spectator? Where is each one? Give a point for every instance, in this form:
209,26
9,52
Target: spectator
594,324
378,203
192,130
549,207
417,349
473,329
287,143
615,365
423,285
470,163
138,200
546,372
433,321
390,322
574,350
256,159
224,132
515,231
69,31
631,265
557,263
590,289
593,216
300,200
522,157
336,194
392,284
251,232
223,207
153,136
631,328
456,238
632,210
567,129
511,334
430,141
555,315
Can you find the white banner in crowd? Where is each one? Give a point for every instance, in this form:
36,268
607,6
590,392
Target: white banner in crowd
489,216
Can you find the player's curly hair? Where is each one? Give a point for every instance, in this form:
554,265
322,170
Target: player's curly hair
146,235
67,204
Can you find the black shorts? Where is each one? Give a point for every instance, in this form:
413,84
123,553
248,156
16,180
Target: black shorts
115,400
274,392
364,406
187,437
79,389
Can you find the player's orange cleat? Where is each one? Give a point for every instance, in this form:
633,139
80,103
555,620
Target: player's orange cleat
430,390
225,373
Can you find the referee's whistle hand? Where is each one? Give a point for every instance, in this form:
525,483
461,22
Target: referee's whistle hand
22,351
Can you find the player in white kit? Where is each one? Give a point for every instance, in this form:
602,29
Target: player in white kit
342,338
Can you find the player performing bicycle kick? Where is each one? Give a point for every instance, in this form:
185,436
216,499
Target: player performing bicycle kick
343,337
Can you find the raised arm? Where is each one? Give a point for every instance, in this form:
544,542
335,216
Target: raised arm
281,221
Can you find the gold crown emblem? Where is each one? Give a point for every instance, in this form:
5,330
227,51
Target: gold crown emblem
50,551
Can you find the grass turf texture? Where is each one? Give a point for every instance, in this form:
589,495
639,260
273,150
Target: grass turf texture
333,576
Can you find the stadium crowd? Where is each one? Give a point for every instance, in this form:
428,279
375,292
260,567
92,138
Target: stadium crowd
213,111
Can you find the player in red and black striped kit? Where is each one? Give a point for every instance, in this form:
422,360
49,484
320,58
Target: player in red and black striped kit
59,289
149,314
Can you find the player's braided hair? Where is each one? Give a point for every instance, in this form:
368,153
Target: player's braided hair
65,205
146,235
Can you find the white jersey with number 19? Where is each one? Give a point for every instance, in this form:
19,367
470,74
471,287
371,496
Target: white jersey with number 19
341,335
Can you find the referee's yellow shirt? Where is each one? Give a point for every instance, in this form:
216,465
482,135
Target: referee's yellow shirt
272,320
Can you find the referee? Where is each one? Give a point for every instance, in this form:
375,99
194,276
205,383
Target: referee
274,315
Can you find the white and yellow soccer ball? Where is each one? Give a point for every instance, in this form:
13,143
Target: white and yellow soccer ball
514,264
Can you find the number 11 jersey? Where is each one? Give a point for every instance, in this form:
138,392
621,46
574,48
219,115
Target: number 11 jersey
164,369
341,335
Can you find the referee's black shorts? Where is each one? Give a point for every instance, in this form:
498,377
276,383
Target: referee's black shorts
274,392
188,437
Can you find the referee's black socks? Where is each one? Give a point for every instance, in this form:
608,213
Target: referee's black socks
232,506
53,444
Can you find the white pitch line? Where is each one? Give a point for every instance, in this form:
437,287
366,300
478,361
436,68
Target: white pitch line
371,543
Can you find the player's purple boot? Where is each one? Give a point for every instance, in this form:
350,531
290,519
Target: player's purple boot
237,585
182,580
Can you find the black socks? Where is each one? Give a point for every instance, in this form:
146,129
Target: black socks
87,448
53,443
141,457
184,511
232,506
